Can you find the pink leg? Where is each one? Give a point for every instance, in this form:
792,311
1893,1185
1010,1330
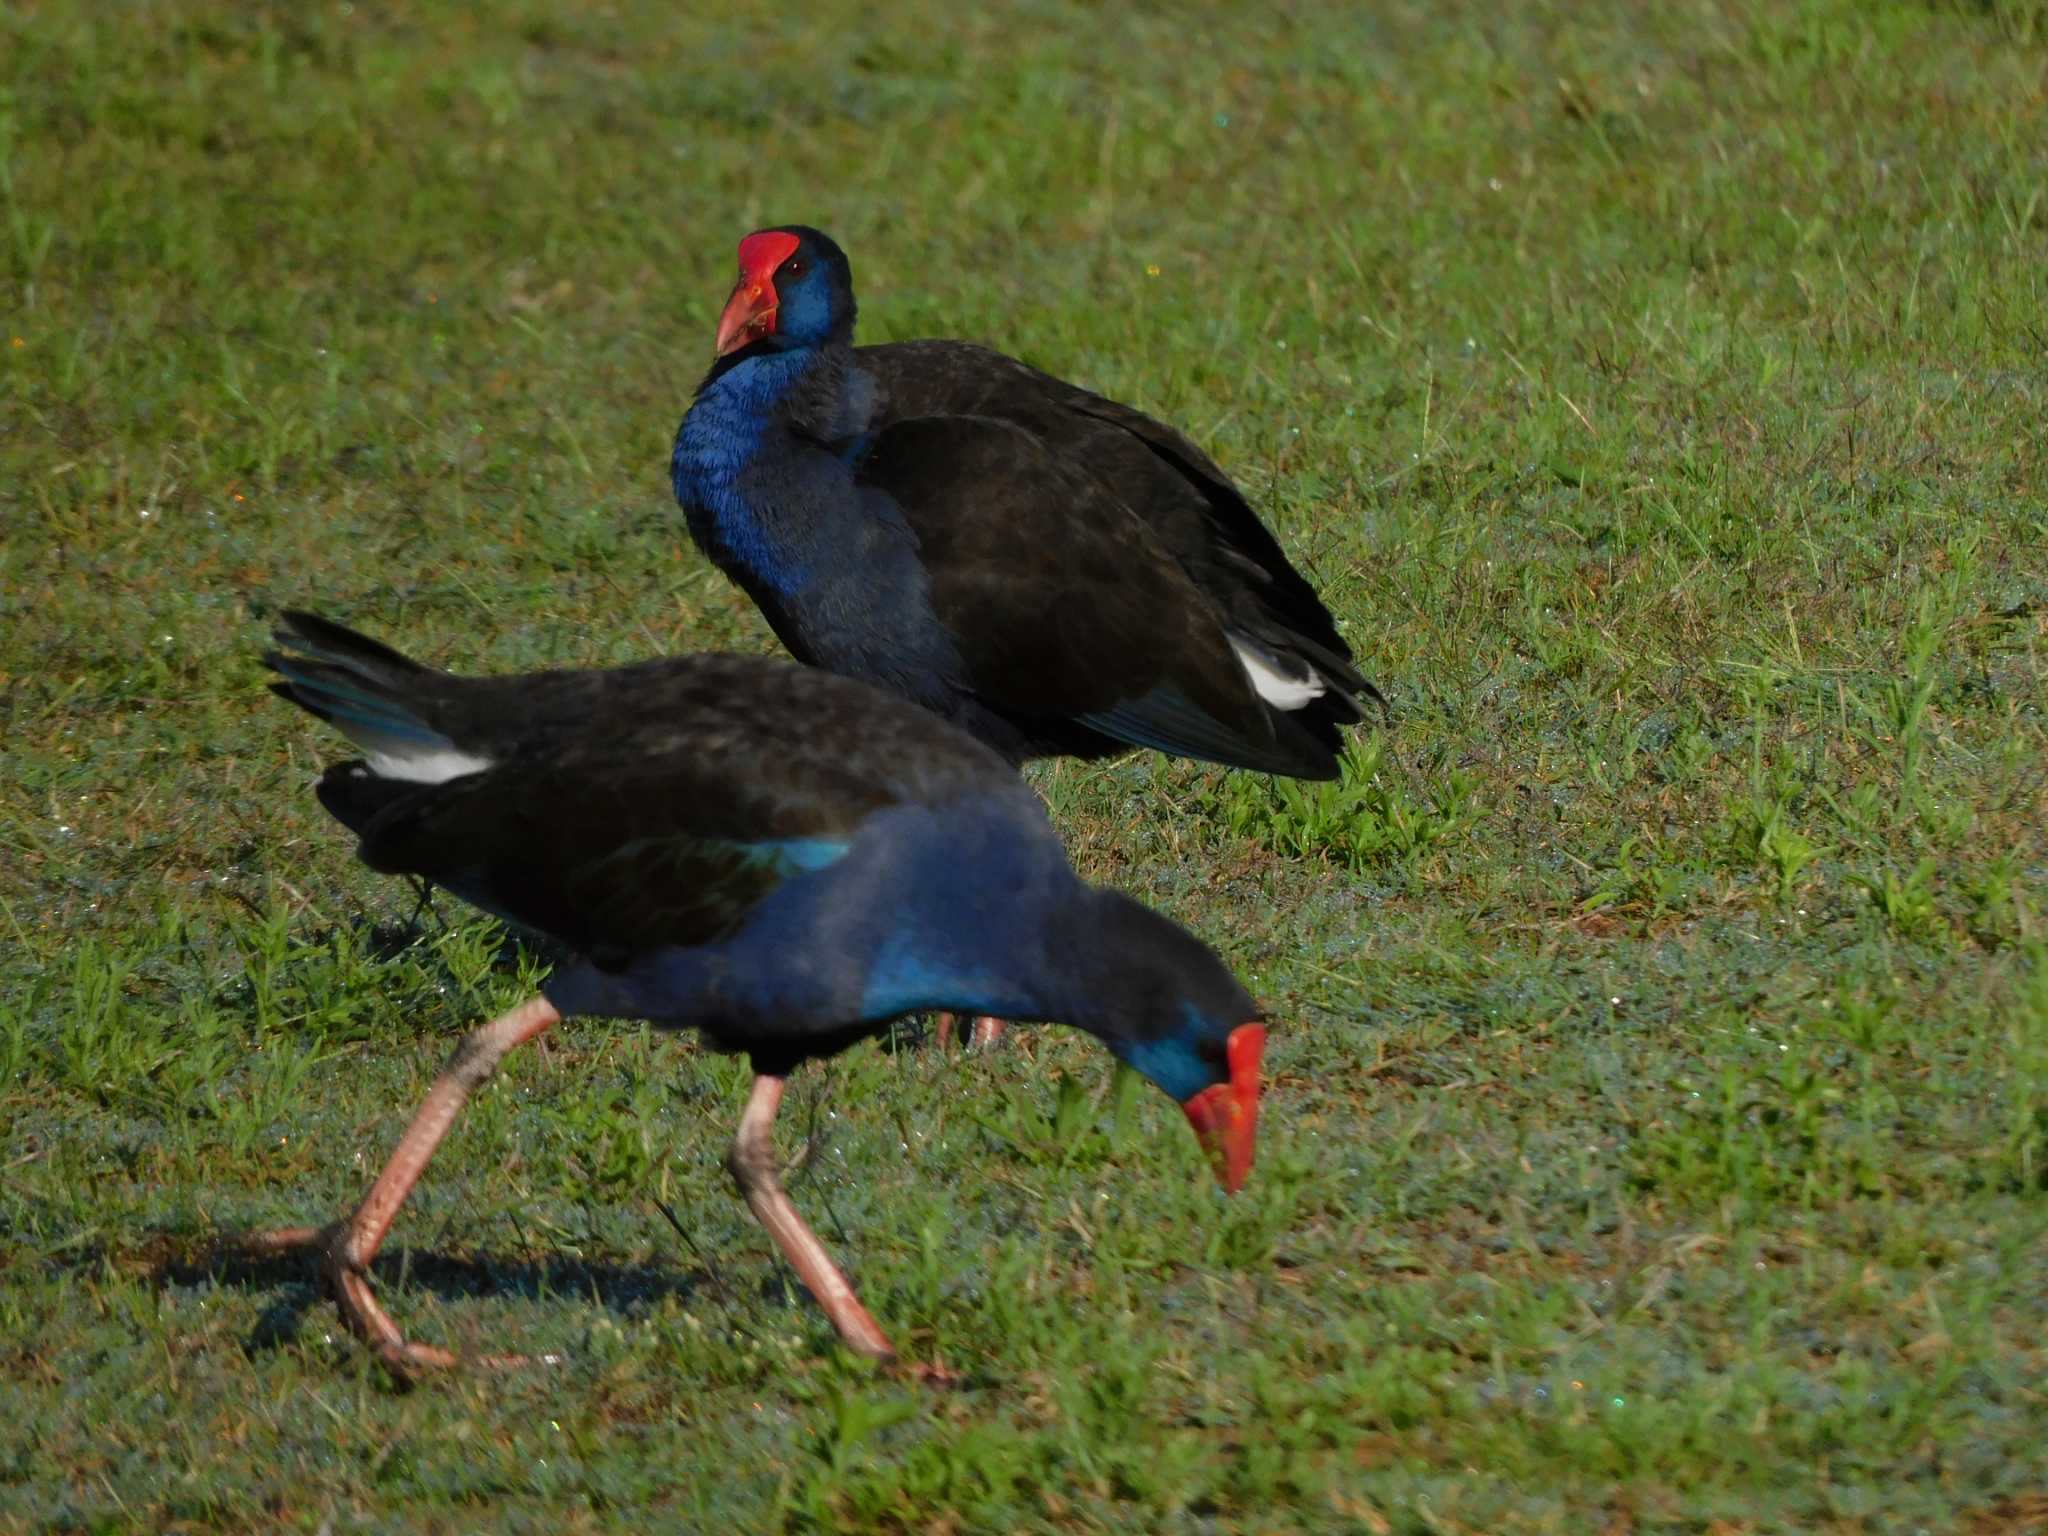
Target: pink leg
351,1245
985,1032
752,1165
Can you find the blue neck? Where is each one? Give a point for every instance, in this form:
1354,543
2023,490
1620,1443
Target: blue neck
766,468
720,439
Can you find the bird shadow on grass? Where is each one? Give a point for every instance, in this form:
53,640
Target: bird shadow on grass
298,1288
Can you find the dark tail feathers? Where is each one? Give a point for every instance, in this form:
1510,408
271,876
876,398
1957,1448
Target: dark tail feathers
362,687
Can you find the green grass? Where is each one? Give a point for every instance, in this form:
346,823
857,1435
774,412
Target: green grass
1658,1133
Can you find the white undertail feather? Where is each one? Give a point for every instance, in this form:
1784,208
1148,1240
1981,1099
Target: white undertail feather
1279,691
414,762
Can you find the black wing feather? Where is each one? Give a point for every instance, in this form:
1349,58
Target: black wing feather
1061,603
1179,493
635,806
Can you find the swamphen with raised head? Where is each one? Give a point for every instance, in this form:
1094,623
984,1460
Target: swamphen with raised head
781,859
1052,571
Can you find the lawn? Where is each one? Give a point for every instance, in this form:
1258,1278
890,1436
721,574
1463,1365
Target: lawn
1657,1137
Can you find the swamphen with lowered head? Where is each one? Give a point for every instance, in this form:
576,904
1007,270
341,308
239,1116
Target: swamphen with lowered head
1052,571
781,859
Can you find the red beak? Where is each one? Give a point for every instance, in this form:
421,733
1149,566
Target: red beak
1226,1115
749,314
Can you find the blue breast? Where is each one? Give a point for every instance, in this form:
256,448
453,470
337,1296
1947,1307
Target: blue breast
918,968
930,908
719,441
974,889
926,907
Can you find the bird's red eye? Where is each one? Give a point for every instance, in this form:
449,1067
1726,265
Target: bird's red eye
794,268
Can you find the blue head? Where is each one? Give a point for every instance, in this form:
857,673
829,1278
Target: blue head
795,290
1163,1002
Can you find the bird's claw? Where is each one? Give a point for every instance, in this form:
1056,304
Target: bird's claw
349,1282
926,1373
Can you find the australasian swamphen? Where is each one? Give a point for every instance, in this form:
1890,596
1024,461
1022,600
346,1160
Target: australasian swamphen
1052,571
781,859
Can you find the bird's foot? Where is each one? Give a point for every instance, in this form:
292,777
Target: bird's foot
350,1283
926,1373
369,1321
